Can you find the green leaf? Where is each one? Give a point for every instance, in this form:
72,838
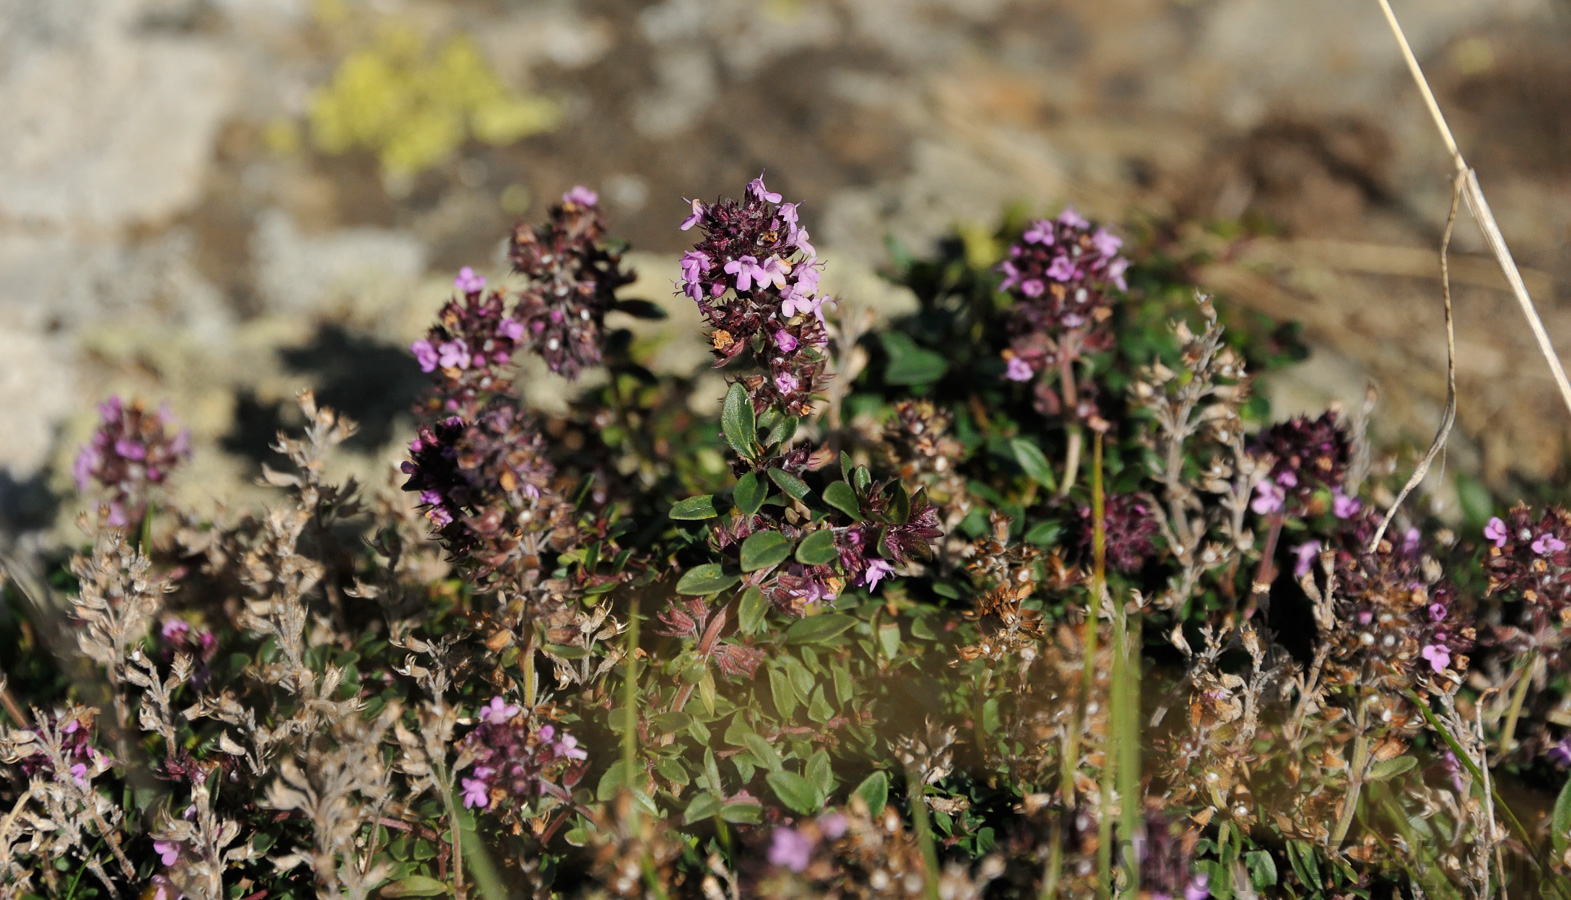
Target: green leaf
764,753
782,432
742,813
1262,869
751,610
1390,768
889,639
795,792
764,549
671,722
672,770
1560,822
415,886
908,363
695,508
818,708
792,485
1035,464
874,791
818,548
801,679
702,807
839,495
706,579
749,493
816,629
819,773
737,422
783,693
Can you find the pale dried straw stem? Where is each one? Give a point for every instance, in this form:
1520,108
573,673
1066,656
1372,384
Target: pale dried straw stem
1467,187
1479,207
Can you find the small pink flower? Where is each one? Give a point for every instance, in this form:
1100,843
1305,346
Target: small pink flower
833,825
1288,479
425,354
581,196
567,748
1061,269
1033,287
877,570
497,712
1198,888
1040,232
512,329
747,270
476,794
785,340
546,732
1106,242
1343,506
1306,554
1437,612
696,217
168,851
1547,544
453,355
1268,498
789,848
1496,531
1071,218
1439,656
1018,370
757,189
79,774
468,282
785,383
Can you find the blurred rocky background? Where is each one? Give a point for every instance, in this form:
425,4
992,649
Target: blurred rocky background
215,203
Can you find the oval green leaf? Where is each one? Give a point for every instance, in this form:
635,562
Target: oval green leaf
737,421
695,508
817,549
709,578
874,791
792,485
764,549
751,610
795,792
1035,464
839,495
749,493
818,628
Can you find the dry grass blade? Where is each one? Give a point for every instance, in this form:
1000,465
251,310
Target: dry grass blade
1479,207
1448,418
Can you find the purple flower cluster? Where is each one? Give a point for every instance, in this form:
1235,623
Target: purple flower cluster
1307,455
131,452
481,483
511,762
467,348
793,848
1397,627
1129,531
1528,556
75,745
571,281
754,276
1060,275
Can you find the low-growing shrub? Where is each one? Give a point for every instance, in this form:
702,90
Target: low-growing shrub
1023,594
